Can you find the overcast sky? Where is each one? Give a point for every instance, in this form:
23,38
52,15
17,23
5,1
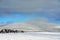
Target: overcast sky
29,9
30,5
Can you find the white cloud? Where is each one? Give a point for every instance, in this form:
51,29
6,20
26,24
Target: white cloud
30,5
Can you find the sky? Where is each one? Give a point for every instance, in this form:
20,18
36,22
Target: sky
13,11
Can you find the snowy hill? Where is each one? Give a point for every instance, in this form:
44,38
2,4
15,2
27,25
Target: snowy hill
32,27
22,26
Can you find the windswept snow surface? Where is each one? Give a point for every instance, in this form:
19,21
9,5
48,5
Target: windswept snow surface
30,36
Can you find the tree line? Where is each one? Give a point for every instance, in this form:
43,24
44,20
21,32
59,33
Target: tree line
10,31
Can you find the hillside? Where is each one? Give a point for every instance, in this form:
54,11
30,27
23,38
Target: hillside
32,27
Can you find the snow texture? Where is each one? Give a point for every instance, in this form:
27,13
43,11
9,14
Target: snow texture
30,36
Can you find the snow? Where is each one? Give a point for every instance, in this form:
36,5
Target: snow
30,36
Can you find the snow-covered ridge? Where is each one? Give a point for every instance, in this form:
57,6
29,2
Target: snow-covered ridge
30,34
32,27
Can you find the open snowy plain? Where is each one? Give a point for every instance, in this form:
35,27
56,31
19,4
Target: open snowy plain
30,36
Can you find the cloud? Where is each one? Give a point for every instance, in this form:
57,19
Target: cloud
30,5
44,25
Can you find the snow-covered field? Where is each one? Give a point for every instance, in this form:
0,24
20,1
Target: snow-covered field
30,36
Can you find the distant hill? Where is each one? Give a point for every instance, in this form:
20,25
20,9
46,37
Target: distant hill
31,27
